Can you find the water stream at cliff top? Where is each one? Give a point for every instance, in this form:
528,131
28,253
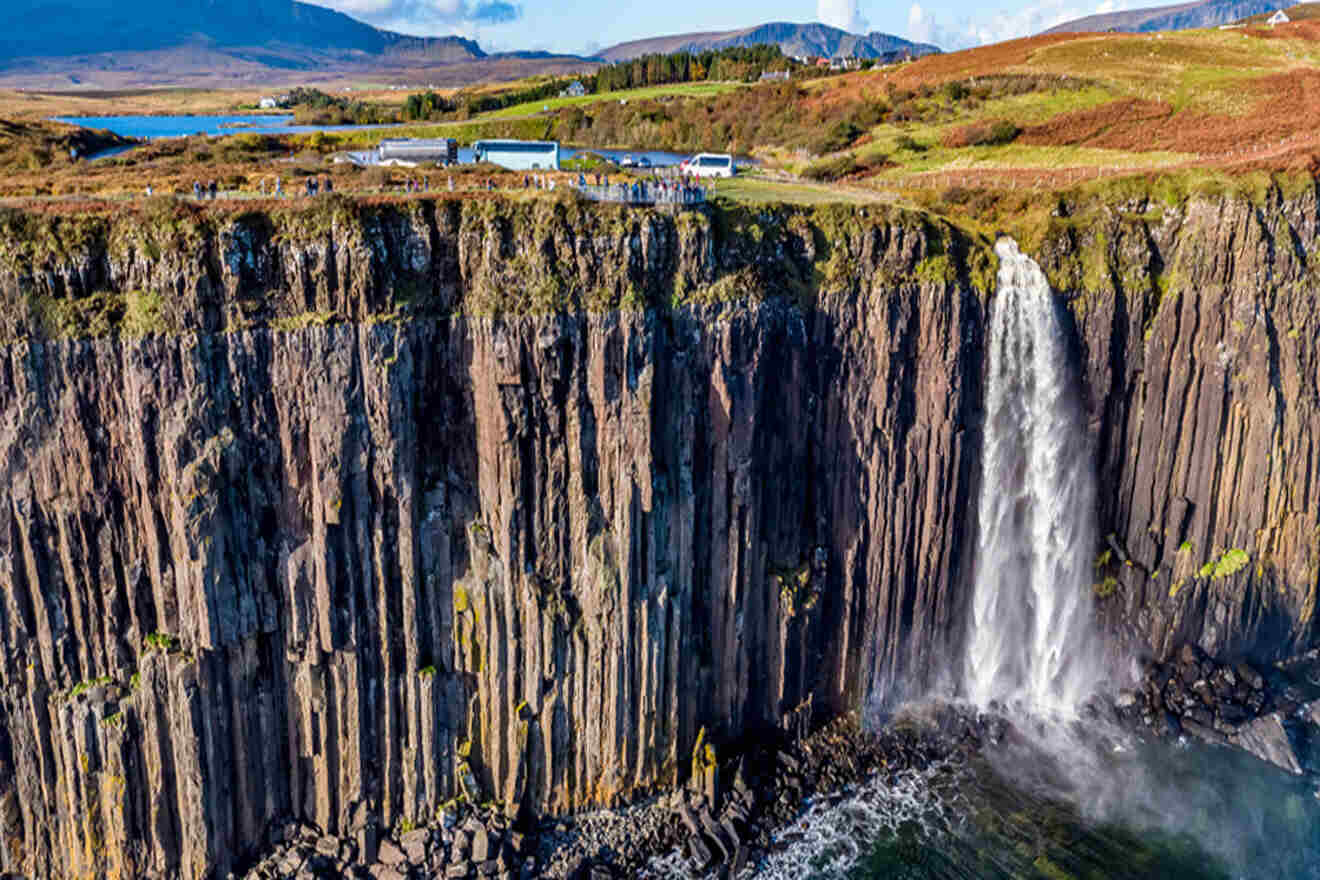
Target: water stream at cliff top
1031,642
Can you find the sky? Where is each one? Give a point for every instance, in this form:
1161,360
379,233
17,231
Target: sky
583,26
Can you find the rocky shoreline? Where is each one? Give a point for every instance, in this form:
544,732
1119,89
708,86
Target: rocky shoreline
723,824
1273,714
732,814
742,805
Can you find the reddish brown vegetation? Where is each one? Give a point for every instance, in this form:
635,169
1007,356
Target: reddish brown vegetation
1298,30
1086,128
984,61
989,132
1288,108
933,70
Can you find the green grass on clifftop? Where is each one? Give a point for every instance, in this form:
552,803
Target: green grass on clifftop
515,255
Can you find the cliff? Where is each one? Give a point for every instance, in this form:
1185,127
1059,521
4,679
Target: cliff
1197,327
337,513
1181,16
810,40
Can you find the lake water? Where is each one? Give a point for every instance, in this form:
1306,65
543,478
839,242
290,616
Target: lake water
184,126
282,123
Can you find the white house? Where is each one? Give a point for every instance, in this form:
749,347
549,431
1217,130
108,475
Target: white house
268,104
775,76
1278,18
574,90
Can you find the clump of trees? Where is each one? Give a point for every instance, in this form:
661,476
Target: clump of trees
745,64
486,102
427,105
432,106
315,107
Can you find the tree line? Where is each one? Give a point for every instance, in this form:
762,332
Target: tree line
745,64
742,63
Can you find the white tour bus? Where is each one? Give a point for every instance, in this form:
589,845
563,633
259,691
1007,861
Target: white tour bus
709,165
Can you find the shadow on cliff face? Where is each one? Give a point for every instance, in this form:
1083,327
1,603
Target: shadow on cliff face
915,550
764,508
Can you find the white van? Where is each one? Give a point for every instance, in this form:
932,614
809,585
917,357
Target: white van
708,165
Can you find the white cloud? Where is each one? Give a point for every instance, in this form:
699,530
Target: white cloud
842,14
925,27
427,17
999,26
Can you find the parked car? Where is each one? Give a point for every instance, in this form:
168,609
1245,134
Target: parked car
627,162
644,162
709,165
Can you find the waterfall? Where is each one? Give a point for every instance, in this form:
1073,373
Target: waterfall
1032,641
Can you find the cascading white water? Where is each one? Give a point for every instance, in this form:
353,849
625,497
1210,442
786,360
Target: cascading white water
1032,639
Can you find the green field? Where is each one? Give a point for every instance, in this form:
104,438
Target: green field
762,190
678,90
1031,157
1201,70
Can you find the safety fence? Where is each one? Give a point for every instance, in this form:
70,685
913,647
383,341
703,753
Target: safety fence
645,193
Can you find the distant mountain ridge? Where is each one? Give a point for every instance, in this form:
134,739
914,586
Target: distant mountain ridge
812,39
1202,14
251,30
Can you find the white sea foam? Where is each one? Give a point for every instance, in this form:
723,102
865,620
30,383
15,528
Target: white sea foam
836,831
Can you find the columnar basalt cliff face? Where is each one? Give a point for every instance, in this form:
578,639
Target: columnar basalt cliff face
1199,335
511,526
366,504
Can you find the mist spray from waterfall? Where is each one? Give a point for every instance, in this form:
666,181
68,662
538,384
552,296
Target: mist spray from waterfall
1032,641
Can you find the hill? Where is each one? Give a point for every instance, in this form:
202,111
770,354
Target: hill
794,39
1185,16
1300,12
275,33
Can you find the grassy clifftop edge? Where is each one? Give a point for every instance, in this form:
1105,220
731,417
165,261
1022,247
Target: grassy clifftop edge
168,265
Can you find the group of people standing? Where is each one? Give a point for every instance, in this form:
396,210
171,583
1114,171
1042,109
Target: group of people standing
654,190
312,186
538,181
315,187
